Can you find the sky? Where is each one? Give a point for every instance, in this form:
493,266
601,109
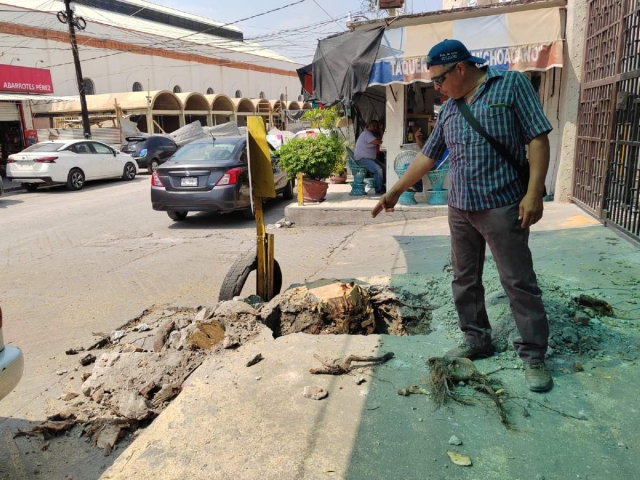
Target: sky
276,30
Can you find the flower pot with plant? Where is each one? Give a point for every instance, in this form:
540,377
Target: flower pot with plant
340,174
316,158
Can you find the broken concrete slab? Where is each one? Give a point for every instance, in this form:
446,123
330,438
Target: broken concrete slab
206,335
134,406
162,335
233,312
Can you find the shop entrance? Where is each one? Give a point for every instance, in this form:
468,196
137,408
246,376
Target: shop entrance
11,141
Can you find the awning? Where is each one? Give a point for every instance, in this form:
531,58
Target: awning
524,41
342,65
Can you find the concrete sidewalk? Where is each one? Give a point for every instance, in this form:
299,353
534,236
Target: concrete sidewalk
231,421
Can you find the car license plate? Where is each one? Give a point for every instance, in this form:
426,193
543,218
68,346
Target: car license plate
189,182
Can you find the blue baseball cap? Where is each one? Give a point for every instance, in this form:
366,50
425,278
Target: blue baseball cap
451,51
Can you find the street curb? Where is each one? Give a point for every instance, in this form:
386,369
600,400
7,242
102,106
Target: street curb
326,214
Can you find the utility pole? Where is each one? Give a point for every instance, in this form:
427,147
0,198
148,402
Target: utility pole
72,21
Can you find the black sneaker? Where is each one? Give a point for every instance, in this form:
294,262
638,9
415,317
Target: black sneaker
537,376
466,350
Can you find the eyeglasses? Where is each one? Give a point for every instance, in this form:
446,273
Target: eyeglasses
439,80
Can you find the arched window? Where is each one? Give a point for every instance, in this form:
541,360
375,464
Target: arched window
301,98
238,94
137,87
177,89
210,91
262,96
89,87
282,97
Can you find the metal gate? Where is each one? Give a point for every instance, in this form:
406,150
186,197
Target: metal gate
622,196
608,145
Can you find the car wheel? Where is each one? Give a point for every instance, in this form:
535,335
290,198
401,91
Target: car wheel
129,172
249,213
153,166
177,216
30,187
75,180
287,193
235,279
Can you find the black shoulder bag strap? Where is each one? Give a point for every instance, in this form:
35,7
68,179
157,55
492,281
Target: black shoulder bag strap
523,172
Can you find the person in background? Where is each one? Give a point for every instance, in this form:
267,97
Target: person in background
366,152
490,201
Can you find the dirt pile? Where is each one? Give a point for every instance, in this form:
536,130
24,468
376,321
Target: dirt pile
579,323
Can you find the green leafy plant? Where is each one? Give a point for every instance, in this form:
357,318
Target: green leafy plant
325,119
316,157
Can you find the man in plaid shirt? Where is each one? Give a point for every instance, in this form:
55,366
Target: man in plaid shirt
488,202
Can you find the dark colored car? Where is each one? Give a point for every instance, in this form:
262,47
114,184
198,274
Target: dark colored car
150,152
209,175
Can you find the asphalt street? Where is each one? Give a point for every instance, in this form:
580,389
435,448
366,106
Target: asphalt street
77,263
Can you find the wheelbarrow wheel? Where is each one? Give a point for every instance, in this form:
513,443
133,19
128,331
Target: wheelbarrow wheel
235,279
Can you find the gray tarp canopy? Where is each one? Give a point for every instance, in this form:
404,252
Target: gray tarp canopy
342,67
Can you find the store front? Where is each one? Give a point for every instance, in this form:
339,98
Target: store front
389,81
17,86
528,41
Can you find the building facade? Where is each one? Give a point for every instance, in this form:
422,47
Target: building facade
135,45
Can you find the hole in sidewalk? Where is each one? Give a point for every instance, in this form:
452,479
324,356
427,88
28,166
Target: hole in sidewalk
346,307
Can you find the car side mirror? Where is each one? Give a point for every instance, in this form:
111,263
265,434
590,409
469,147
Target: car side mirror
115,153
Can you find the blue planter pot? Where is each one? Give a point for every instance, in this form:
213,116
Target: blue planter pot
408,198
437,177
437,197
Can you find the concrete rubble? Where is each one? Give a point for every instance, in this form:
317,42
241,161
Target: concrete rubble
140,368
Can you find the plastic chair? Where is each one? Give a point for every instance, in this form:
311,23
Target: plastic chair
358,172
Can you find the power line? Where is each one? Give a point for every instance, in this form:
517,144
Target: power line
319,6
185,36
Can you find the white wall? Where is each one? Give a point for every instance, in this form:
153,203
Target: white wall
394,132
572,72
550,94
117,73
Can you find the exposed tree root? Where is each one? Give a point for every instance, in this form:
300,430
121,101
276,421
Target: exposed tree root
346,366
446,373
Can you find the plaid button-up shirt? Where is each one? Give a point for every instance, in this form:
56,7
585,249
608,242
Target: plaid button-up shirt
507,106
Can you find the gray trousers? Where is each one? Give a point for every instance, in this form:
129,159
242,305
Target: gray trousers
509,244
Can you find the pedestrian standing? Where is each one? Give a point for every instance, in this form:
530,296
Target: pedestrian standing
489,120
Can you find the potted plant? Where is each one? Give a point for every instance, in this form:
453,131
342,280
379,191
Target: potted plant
339,176
316,158
327,121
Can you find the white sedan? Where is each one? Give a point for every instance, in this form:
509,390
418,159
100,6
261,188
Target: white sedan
69,162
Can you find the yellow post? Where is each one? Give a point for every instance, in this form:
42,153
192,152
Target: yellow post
299,180
262,186
265,247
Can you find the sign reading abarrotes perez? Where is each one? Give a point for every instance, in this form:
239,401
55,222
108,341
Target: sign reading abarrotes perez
260,168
